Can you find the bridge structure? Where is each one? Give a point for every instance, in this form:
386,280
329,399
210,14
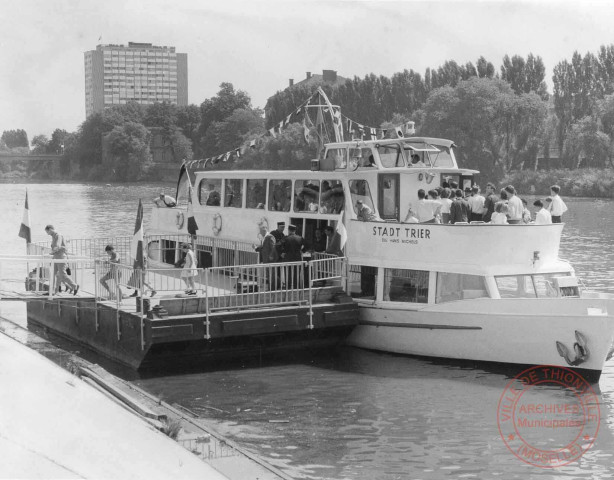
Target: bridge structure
33,157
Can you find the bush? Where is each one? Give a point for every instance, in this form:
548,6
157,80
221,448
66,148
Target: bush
586,182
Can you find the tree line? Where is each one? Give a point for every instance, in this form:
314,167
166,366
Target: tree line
502,120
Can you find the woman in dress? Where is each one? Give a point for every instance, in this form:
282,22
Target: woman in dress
190,269
499,216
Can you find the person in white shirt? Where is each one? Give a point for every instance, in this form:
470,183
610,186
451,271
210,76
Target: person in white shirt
499,216
542,216
557,207
476,202
424,210
514,206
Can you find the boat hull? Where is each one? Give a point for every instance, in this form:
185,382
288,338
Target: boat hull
521,332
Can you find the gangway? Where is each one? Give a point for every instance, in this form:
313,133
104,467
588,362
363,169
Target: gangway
237,307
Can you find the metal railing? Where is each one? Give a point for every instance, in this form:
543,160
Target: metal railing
236,287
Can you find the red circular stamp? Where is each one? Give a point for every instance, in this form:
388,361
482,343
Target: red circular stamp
548,416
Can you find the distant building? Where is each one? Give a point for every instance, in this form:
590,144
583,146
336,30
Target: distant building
329,77
140,72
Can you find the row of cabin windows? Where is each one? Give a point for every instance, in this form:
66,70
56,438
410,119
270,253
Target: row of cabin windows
326,196
390,156
412,286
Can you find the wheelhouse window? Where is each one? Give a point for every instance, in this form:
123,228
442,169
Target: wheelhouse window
359,189
256,193
361,158
545,285
279,195
306,195
337,157
390,156
233,193
210,191
332,197
402,285
458,286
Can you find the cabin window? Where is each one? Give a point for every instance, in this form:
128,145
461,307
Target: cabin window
332,197
359,189
402,285
337,157
256,193
531,286
233,193
279,195
210,191
515,286
443,158
390,156
362,281
458,286
361,158
306,194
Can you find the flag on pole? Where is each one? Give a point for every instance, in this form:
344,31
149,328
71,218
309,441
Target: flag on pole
24,229
343,234
136,244
192,225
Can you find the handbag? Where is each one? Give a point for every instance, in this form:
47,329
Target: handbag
68,271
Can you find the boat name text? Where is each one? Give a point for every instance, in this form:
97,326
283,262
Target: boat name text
401,234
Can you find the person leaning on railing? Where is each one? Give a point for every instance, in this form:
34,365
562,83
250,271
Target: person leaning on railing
165,200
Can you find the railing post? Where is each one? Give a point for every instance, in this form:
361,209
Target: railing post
310,296
214,253
207,323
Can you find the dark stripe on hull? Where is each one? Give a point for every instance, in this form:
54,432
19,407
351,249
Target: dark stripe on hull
429,326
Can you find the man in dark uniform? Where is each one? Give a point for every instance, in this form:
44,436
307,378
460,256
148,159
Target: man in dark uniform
279,236
293,246
460,211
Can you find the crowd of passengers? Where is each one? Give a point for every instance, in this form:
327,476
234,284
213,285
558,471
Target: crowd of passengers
449,204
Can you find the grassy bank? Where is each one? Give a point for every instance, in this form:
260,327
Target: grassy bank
585,182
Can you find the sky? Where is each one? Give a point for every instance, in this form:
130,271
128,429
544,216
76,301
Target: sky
258,45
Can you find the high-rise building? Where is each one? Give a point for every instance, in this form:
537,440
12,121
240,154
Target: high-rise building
140,72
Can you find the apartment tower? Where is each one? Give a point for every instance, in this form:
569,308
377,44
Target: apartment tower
140,72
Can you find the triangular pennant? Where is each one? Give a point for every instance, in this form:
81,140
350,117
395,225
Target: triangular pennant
272,132
252,144
238,152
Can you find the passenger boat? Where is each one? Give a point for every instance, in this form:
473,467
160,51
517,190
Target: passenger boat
481,292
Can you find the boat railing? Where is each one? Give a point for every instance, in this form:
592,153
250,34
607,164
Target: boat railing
39,279
92,248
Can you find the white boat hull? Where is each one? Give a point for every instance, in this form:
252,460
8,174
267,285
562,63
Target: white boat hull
515,331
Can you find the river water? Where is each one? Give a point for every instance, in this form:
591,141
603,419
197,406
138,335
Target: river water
350,414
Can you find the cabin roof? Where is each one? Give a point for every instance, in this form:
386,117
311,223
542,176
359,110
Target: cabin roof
386,141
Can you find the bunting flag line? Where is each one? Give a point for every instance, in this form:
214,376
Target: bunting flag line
136,244
24,229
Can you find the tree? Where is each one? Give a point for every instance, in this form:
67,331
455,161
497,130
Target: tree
15,138
188,120
40,144
495,128
129,149
56,144
485,69
287,151
233,131
217,108
525,76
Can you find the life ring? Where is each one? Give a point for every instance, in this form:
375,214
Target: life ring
217,224
179,219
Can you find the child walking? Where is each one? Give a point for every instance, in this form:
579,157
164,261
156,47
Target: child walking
190,269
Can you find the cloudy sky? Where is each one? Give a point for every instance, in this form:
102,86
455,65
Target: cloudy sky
257,45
